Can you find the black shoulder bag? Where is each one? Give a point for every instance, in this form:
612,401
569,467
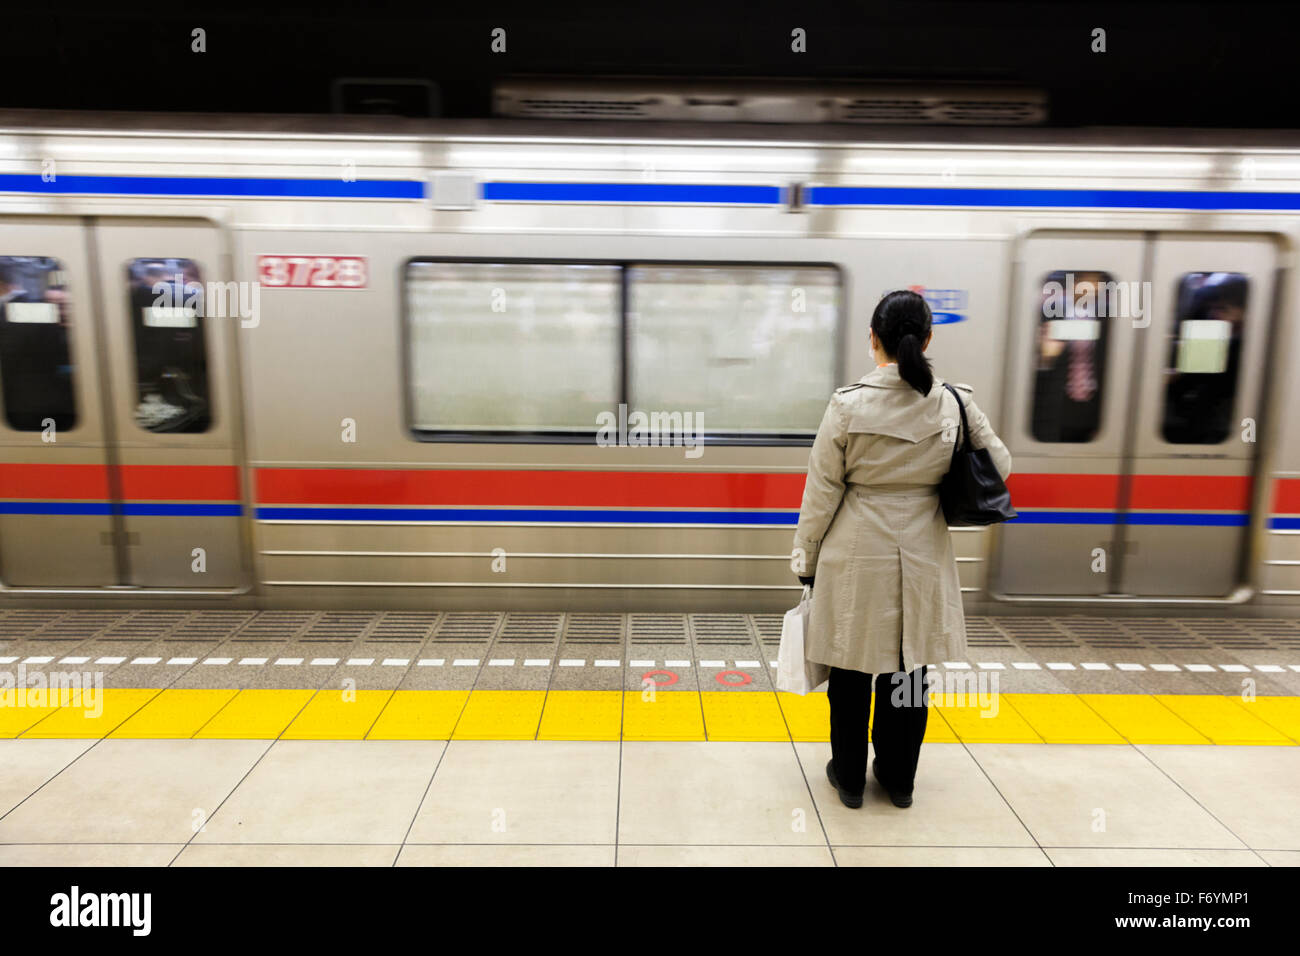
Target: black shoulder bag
972,492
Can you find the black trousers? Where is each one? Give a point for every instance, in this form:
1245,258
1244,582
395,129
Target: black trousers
896,732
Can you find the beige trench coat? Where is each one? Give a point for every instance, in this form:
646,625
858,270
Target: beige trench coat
871,529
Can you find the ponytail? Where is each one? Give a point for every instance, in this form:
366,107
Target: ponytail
913,366
901,323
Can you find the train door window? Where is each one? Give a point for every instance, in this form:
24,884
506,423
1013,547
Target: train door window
171,362
749,348
1205,353
35,366
1070,354
512,347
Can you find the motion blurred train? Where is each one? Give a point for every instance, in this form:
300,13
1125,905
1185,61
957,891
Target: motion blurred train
549,364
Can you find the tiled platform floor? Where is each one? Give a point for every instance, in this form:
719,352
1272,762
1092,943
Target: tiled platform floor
421,803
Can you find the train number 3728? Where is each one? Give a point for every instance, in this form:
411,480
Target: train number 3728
312,272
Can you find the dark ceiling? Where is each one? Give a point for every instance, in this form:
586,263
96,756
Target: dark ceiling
1166,64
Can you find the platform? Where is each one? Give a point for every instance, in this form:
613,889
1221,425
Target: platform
276,737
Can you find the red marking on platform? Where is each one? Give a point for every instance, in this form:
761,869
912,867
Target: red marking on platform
745,678
672,678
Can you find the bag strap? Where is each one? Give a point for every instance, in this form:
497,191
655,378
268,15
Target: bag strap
963,437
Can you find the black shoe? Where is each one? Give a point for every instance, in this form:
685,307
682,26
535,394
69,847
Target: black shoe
898,799
848,799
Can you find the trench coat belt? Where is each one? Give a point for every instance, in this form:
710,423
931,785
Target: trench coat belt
896,491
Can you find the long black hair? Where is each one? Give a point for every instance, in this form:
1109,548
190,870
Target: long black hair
902,324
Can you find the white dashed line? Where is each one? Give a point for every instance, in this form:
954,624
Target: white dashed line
1095,666
65,660
464,662
1059,666
147,660
604,663
570,662
252,661
110,660
1235,668
1026,666
218,661
288,661
640,663
42,660
501,662
677,663
1200,668
183,661
395,662
1270,668
324,661
1164,667
713,664
747,664
364,661
991,666
1130,667
956,665
537,662
430,662
10,660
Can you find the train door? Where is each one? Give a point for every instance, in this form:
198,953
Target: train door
56,521
1199,382
150,472
1135,361
1069,406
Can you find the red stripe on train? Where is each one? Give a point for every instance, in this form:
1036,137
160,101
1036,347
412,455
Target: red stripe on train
1286,496
440,486
139,482
1148,492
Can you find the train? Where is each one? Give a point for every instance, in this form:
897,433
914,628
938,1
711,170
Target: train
347,362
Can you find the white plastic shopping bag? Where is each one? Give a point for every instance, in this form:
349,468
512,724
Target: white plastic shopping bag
795,673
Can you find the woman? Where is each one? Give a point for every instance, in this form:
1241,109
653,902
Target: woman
886,599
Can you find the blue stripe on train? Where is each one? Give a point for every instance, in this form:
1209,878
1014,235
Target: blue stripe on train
529,514
716,194
630,192
133,510
214,186
1086,198
1237,520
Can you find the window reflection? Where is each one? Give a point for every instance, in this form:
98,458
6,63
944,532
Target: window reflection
1070,371
35,367
1204,357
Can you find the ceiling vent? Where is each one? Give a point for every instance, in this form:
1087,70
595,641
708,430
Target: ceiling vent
740,101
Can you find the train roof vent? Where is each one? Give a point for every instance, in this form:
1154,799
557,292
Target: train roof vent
755,101
588,107
982,107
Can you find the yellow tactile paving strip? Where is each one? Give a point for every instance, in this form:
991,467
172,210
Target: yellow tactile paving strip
613,715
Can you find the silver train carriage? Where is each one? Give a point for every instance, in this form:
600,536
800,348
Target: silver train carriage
338,363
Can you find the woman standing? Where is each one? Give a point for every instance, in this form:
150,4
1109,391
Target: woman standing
886,598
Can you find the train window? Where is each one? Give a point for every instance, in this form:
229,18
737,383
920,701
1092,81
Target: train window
750,348
1070,354
35,367
512,346
1204,356
171,361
